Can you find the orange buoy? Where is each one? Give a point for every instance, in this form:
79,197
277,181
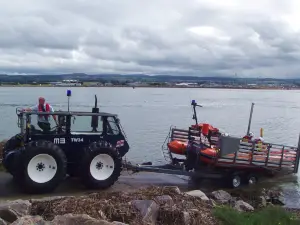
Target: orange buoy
205,129
261,132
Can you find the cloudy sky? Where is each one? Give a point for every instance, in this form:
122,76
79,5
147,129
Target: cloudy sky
257,38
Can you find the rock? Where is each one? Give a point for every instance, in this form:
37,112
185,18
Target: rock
232,201
8,215
211,203
2,222
221,196
20,207
172,189
274,196
173,215
82,219
242,206
164,199
186,218
262,201
29,220
148,210
51,198
119,223
198,194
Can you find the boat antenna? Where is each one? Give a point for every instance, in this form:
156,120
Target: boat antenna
250,118
194,105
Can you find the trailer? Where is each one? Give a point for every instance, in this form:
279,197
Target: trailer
237,162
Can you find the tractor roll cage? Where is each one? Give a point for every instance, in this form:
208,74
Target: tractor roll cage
26,115
66,113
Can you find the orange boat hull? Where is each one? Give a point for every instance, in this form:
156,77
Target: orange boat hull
177,147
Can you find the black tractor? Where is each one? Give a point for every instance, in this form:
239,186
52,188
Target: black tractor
87,145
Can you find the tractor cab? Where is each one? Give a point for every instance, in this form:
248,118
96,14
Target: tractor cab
74,129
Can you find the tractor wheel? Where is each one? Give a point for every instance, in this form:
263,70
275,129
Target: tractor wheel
13,143
101,166
43,167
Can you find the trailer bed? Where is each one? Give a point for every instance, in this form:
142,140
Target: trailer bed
243,154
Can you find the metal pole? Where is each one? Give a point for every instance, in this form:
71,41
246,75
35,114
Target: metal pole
195,114
250,119
68,103
297,157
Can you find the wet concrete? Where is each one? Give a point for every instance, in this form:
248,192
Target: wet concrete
72,186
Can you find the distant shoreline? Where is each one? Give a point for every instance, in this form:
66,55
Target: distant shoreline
136,87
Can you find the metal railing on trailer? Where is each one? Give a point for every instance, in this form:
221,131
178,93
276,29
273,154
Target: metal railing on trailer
182,135
249,153
273,157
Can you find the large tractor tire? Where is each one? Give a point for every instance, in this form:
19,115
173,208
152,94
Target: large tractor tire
101,166
42,168
13,143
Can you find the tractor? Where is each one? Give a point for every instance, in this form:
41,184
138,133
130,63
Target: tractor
86,145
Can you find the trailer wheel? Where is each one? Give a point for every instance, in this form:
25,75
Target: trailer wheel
251,179
235,180
43,167
101,166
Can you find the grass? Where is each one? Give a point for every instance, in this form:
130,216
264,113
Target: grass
266,216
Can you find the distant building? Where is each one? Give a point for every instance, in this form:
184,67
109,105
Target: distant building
67,83
186,84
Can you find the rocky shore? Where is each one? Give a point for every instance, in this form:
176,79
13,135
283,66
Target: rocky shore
153,205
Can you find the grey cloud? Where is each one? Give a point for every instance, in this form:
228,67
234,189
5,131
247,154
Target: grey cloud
149,37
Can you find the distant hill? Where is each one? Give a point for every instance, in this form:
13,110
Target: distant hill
133,78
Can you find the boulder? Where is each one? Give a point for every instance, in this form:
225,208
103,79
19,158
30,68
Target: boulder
3,222
198,194
20,207
8,215
164,199
29,220
148,210
119,223
262,202
221,196
10,211
83,219
211,203
171,189
242,206
174,215
186,218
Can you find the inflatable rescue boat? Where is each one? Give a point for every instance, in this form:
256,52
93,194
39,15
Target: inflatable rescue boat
179,145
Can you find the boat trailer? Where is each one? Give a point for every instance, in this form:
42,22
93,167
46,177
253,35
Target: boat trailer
234,170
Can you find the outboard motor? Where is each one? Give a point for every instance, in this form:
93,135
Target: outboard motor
94,122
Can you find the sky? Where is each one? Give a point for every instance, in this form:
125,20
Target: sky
257,38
